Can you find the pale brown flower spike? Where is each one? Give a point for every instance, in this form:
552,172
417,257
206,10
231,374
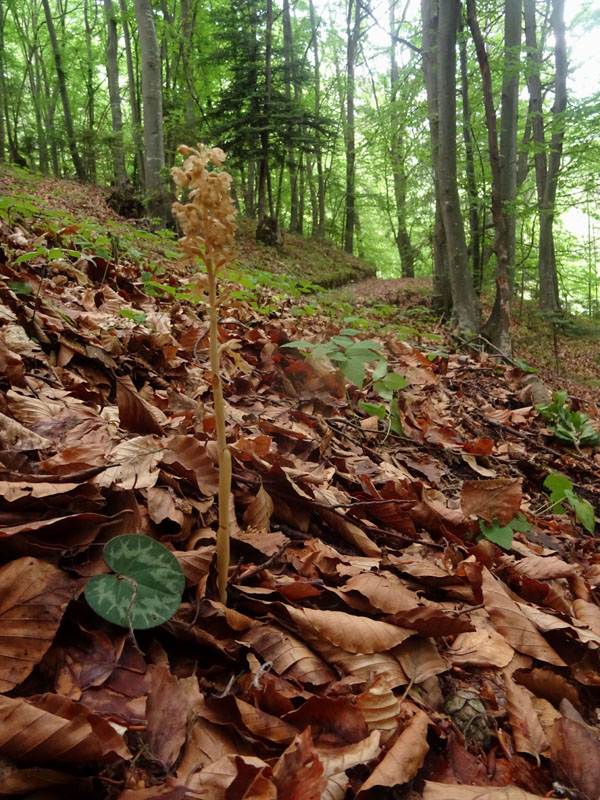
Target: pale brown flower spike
207,221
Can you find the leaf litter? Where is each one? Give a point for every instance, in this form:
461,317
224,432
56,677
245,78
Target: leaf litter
372,628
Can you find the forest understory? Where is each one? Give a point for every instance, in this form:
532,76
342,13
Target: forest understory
413,602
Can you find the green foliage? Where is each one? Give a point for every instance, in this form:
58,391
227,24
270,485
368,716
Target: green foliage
146,589
503,535
569,426
560,491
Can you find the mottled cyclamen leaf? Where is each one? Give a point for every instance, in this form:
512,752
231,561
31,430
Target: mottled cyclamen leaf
147,589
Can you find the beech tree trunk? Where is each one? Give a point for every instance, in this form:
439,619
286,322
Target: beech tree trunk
442,292
500,330
353,20
318,228
112,69
134,106
465,302
62,85
154,162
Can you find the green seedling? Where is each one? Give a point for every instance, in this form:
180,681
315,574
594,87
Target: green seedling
147,586
569,426
503,535
560,491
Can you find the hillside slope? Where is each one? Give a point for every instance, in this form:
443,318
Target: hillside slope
413,602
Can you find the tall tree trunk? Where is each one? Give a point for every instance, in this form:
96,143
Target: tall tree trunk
474,222
112,69
136,119
90,144
288,55
318,229
442,291
500,331
549,294
265,194
353,21
154,163
465,302
62,85
3,95
39,112
187,27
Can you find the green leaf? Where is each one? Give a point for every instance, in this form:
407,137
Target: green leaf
374,409
584,511
395,420
349,332
300,344
503,535
20,287
354,370
135,316
557,485
147,589
40,251
380,370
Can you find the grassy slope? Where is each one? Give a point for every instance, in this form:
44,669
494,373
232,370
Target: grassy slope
31,200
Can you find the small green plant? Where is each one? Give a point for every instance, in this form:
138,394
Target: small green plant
351,357
560,491
146,589
503,535
135,316
569,426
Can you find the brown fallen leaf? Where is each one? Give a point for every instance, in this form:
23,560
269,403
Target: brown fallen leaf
257,515
166,712
299,774
528,733
446,791
135,413
512,623
51,728
404,759
497,499
576,755
33,597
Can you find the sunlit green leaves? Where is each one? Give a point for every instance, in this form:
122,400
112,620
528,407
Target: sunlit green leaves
561,490
503,535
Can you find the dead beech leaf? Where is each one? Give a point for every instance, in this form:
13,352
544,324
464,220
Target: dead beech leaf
10,491
544,567
207,743
135,413
230,710
33,598
335,716
384,590
588,614
431,621
188,457
420,659
14,436
498,499
51,729
484,647
511,622
380,707
257,515
134,464
339,759
352,633
404,759
528,733
166,712
549,685
298,773
364,666
162,506
28,781
576,753
290,656
446,791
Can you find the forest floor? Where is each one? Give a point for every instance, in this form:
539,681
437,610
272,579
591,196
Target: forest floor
413,604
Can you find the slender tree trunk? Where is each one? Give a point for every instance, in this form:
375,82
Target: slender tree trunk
353,20
549,294
155,185
3,96
62,85
474,222
288,55
112,69
265,195
136,119
465,302
318,229
187,26
403,243
442,291
90,143
500,331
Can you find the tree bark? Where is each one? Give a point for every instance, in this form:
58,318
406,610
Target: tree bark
465,302
265,194
112,69
442,292
154,162
353,21
403,243
62,85
3,97
90,135
499,332
289,128
134,106
318,228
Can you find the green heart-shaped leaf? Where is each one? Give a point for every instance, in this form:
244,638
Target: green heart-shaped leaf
147,589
